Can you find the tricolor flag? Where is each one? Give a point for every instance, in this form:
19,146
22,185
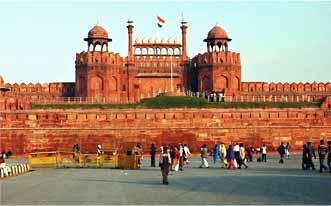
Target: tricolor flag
160,21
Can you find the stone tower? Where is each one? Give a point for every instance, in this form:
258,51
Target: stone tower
218,69
98,71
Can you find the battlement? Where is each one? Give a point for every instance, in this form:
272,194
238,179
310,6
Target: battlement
56,88
219,57
286,88
98,57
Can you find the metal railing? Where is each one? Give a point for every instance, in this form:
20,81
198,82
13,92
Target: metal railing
219,97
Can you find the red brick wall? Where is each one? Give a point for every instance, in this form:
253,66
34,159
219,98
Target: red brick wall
29,131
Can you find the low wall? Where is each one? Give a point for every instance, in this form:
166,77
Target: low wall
48,130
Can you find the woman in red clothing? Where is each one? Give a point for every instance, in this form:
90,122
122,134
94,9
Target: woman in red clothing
175,162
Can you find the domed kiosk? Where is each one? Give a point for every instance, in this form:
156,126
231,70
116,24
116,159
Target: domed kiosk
97,36
217,39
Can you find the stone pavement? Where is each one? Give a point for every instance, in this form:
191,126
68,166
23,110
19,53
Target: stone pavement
261,183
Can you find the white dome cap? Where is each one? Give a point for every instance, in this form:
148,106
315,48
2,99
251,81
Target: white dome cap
144,40
176,41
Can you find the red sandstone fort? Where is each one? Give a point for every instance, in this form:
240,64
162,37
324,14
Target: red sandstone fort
154,66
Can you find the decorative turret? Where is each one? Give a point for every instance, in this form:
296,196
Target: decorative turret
217,39
97,36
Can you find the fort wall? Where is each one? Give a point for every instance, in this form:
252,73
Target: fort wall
46,130
259,88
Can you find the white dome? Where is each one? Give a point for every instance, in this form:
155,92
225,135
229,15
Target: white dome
163,40
157,40
176,41
145,40
170,40
137,40
151,40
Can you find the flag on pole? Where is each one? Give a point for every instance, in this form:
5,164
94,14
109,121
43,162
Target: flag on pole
160,21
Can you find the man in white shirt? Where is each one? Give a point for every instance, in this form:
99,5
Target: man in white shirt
236,150
264,153
186,154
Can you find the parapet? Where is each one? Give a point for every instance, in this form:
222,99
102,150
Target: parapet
98,57
218,58
286,88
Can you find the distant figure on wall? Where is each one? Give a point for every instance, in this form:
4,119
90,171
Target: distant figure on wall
281,151
264,153
322,152
153,152
164,163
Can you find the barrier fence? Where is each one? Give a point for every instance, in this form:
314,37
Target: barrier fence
58,159
14,170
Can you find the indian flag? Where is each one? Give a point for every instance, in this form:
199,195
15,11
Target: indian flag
160,21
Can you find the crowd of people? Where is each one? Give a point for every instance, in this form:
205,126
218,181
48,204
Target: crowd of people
235,156
324,153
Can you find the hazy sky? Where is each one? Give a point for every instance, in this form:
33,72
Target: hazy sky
278,41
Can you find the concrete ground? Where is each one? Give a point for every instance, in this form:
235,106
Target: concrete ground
261,183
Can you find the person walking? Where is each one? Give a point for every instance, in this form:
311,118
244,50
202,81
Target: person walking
172,156
215,153
99,156
204,156
175,163
224,162
250,152
236,150
242,156
187,153
264,153
305,157
139,153
181,157
311,153
329,155
287,150
164,163
322,152
281,151
153,152
230,157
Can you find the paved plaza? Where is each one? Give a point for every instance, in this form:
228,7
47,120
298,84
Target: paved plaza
261,183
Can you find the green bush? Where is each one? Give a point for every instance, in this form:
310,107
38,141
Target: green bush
165,102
